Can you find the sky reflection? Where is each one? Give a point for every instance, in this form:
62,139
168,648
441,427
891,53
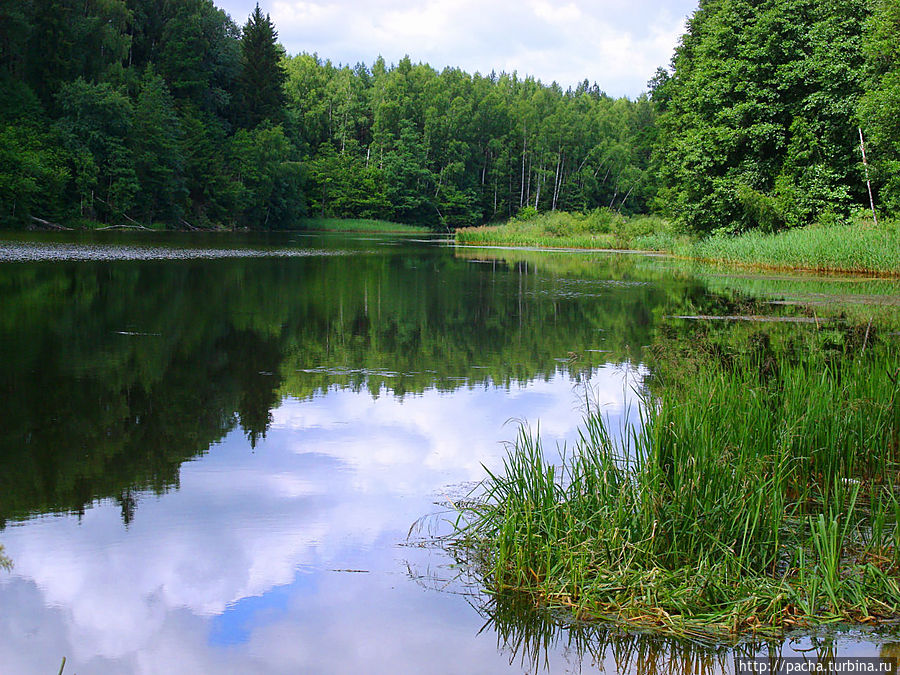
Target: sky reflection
244,567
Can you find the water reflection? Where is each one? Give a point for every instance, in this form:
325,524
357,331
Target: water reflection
534,639
212,465
259,542
114,374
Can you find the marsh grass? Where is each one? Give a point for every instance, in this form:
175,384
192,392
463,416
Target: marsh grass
598,229
759,493
359,225
857,247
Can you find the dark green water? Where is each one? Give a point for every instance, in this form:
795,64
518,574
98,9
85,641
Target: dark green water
212,449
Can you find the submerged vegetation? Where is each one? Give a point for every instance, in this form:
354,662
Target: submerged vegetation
760,493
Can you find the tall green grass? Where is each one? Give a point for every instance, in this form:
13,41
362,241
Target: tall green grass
855,247
359,225
600,228
759,492
858,247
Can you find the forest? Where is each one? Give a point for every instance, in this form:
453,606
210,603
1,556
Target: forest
171,114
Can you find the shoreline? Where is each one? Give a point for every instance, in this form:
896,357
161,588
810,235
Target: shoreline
872,252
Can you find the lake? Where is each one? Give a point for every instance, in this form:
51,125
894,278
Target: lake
231,453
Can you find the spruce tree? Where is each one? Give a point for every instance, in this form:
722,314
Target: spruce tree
262,75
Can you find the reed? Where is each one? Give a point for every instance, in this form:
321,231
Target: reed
857,247
759,493
359,225
598,229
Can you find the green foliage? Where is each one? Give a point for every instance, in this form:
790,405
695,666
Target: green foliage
197,51
753,495
157,146
358,225
446,149
759,120
754,127
96,124
262,77
878,108
33,175
600,228
269,181
859,247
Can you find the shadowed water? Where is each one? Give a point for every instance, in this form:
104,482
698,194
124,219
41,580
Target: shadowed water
212,449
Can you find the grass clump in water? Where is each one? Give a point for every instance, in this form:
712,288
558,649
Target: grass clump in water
760,493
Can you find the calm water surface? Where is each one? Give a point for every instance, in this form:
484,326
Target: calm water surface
215,451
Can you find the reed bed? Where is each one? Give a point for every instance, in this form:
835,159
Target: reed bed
359,225
759,493
598,229
858,247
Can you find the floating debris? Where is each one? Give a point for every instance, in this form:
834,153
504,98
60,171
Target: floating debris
775,319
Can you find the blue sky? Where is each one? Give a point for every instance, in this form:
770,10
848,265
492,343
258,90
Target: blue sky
616,43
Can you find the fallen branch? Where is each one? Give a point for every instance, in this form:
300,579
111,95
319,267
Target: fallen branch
121,227
47,224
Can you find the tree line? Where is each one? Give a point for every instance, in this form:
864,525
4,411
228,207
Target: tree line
763,110
167,112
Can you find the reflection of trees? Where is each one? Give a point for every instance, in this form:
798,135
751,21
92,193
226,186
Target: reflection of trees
113,374
530,635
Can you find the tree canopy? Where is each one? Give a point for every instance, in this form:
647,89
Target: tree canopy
169,113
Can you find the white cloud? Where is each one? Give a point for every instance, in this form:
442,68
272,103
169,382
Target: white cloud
617,43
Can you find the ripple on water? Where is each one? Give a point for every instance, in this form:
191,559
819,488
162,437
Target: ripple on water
33,251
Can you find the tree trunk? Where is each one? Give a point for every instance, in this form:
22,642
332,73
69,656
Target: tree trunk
522,185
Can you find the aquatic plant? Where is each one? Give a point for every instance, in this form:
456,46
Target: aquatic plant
600,229
859,247
359,225
758,493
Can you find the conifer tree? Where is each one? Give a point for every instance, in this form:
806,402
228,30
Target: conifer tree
262,75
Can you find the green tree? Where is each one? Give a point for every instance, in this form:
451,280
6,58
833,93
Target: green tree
157,148
96,125
262,75
270,180
758,115
879,109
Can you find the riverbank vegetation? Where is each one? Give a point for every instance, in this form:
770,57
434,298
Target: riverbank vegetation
358,225
597,229
862,247
145,113
859,246
759,494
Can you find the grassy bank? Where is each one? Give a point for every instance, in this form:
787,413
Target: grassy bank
759,494
359,225
601,228
858,247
